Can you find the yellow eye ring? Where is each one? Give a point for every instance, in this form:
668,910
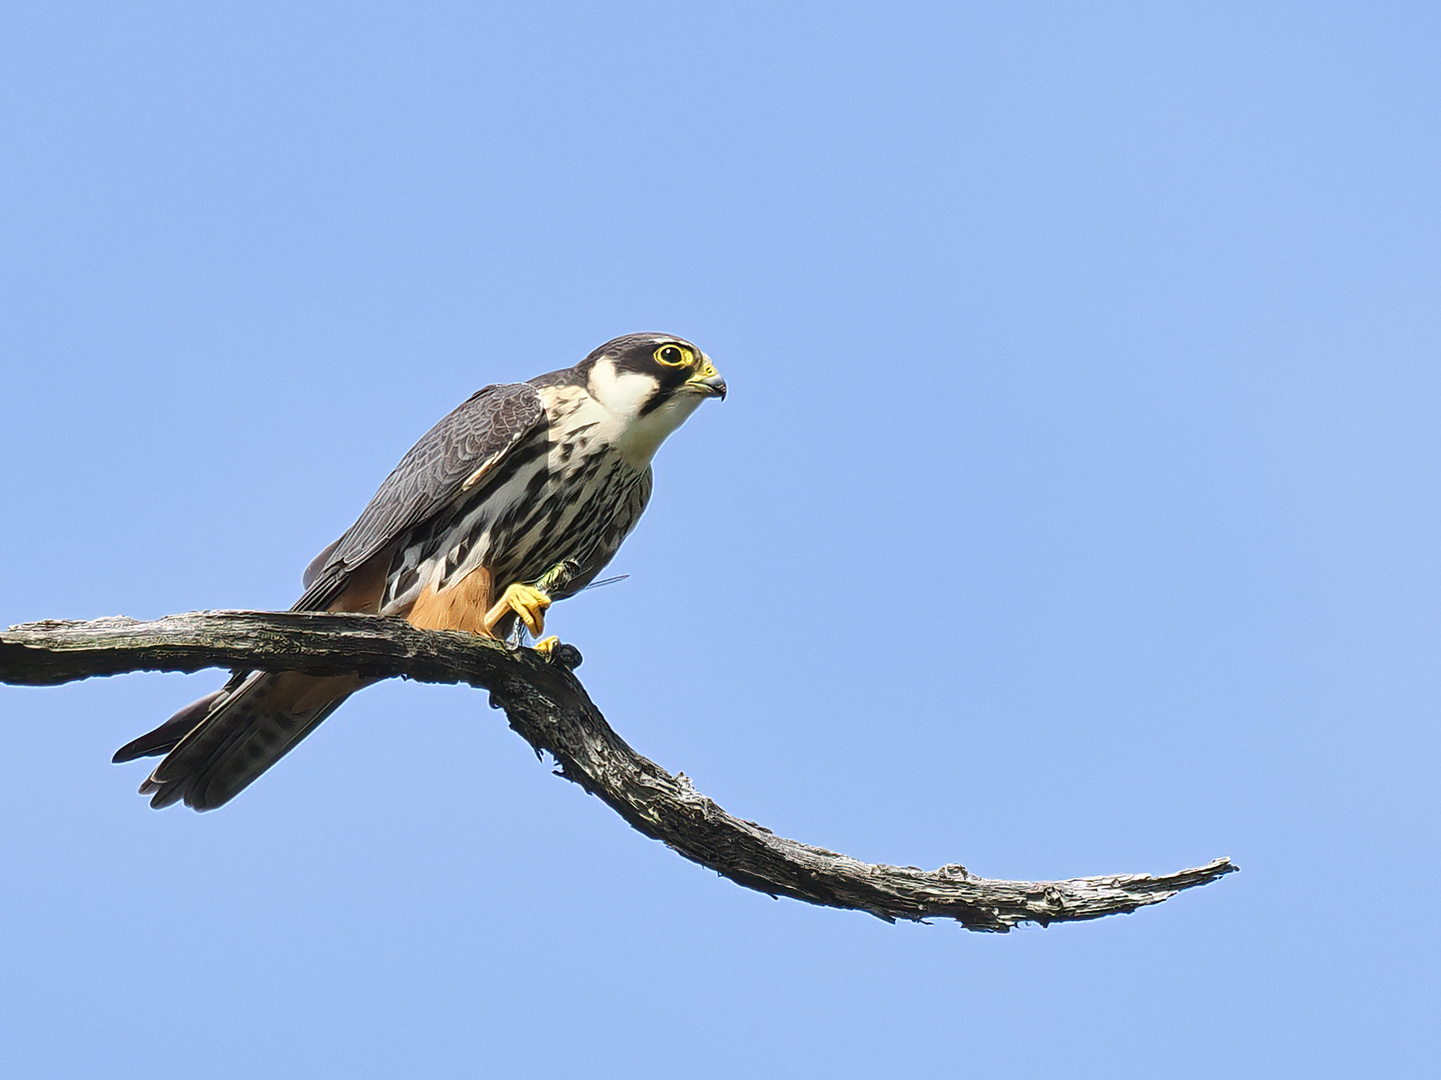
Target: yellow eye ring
673,355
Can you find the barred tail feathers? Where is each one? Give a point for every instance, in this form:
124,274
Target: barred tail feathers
235,735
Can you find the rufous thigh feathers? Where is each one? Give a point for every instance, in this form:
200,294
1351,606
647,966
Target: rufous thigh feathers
461,605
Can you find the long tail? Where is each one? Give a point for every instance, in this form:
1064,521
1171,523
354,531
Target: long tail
218,745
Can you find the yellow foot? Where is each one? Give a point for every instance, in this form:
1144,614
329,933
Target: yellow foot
545,645
526,601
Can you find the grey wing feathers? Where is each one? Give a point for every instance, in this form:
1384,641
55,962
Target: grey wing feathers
475,434
164,738
319,563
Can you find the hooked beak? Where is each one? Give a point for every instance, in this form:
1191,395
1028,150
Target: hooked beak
708,381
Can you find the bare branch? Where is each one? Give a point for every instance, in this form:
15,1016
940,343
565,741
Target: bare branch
550,709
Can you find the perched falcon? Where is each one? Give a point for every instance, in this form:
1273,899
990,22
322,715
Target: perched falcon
466,534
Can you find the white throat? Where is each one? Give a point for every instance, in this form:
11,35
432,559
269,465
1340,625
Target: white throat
623,395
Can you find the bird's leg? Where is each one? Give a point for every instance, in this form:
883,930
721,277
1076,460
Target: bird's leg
545,645
528,602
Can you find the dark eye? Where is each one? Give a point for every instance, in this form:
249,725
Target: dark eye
674,356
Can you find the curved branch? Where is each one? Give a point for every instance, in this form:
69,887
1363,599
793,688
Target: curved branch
550,709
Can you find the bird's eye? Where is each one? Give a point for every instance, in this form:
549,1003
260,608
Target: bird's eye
674,356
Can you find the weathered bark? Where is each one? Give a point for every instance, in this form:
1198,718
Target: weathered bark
550,709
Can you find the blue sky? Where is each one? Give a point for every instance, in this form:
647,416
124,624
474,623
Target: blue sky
1075,510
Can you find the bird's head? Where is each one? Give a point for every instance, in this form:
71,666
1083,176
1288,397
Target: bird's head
650,383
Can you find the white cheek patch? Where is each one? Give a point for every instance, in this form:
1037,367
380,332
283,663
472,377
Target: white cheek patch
623,394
